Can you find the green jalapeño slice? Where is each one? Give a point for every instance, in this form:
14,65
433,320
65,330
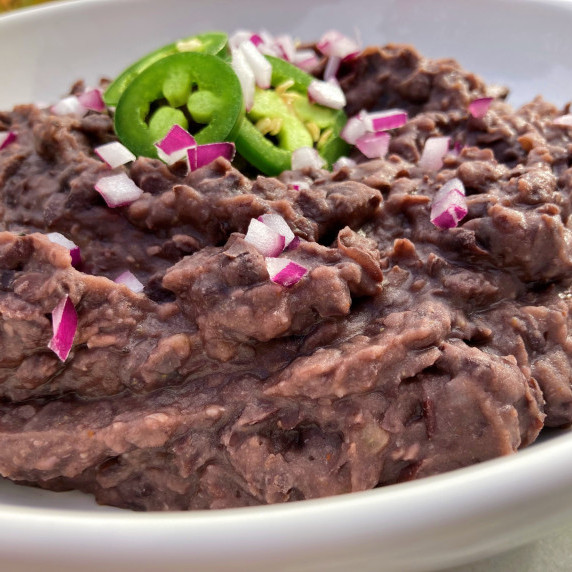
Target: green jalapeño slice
199,92
214,43
283,119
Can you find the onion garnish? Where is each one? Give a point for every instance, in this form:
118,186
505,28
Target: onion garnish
245,76
449,205
202,155
259,65
299,185
92,99
478,107
384,120
332,67
433,152
58,238
306,60
64,326
327,93
7,137
334,43
130,280
374,145
355,127
114,154
278,224
118,190
564,120
69,106
343,162
284,271
173,147
286,47
307,157
266,240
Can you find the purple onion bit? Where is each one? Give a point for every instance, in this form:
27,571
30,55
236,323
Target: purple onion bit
64,325
449,205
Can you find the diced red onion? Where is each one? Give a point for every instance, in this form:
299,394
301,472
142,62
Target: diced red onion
284,271
327,93
343,162
7,137
245,76
114,154
332,67
69,106
334,43
64,326
374,145
433,152
202,155
58,238
118,190
285,46
300,185
239,37
278,224
173,147
267,241
306,60
260,66
355,127
130,280
294,244
449,205
390,119
92,99
478,107
256,39
307,157
565,120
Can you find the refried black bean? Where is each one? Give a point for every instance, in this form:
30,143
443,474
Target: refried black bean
404,352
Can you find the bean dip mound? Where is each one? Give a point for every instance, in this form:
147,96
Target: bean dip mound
406,349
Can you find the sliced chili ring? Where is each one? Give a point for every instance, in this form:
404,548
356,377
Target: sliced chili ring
198,91
292,121
215,43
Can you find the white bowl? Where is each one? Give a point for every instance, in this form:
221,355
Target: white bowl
436,522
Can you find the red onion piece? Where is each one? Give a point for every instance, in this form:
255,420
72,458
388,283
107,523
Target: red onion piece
390,119
284,271
118,190
58,238
433,152
374,145
278,224
564,120
259,65
64,326
306,60
114,154
332,67
307,157
7,137
245,76
207,153
334,43
173,147
130,280
69,106
285,46
327,93
294,244
267,241
239,37
449,205
299,185
355,127
343,162
92,99
478,107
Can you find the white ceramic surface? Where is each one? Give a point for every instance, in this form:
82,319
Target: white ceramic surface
425,525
